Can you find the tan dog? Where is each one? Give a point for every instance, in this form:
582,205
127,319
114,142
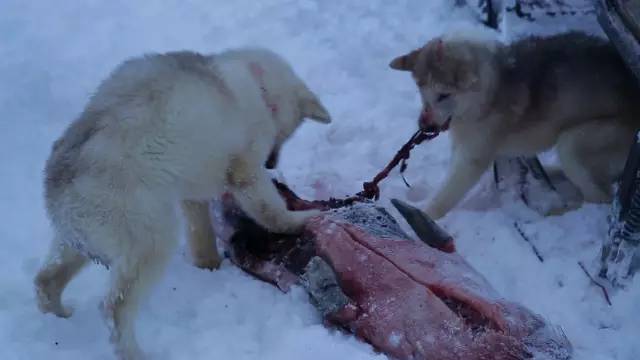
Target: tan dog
571,91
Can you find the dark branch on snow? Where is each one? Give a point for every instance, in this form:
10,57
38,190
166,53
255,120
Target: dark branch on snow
594,282
526,238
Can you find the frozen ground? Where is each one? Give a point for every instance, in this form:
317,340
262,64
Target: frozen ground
52,56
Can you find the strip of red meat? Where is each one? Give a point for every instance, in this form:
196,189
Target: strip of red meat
407,299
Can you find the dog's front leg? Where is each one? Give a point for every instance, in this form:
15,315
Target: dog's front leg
466,169
252,187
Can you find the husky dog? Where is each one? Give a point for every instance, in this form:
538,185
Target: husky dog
162,130
571,91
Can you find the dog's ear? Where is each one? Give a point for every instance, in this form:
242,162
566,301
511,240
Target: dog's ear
312,108
405,62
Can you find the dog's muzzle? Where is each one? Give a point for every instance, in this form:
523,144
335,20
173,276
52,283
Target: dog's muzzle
426,122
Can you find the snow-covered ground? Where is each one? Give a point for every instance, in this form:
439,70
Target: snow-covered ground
52,56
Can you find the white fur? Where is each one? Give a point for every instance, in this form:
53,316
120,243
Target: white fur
160,130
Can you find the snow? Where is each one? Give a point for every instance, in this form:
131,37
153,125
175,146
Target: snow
52,58
395,338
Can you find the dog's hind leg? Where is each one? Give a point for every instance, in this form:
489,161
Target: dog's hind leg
592,155
129,283
62,264
132,275
201,235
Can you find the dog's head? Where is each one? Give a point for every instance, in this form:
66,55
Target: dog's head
300,103
285,95
454,76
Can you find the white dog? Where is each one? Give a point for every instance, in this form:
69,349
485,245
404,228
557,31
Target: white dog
164,129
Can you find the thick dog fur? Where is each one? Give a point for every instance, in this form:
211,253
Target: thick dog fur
164,130
571,91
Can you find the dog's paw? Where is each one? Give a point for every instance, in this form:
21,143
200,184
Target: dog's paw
435,212
50,304
207,262
559,210
49,301
56,309
298,220
129,351
120,335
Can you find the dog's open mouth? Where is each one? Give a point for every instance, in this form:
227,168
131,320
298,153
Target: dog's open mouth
427,123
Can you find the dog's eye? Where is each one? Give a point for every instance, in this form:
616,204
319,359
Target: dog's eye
443,97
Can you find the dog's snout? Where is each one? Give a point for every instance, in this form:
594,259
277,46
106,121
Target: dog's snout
425,120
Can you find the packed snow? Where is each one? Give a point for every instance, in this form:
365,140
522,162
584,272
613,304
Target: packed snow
54,54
